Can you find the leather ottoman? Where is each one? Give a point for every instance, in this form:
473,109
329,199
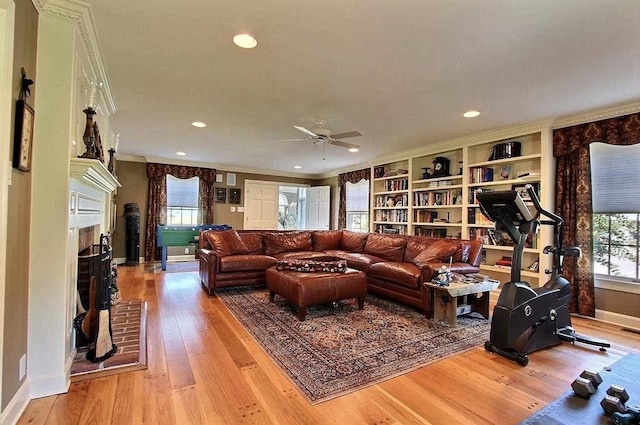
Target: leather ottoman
306,289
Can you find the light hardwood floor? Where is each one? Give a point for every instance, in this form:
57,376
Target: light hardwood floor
204,368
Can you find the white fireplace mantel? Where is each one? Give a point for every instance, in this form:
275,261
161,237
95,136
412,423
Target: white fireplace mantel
93,173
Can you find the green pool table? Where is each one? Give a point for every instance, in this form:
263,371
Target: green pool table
181,236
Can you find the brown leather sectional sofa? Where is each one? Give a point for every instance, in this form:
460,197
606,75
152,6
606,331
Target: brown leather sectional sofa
396,265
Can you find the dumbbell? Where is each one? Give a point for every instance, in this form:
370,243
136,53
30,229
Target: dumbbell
630,416
615,399
587,383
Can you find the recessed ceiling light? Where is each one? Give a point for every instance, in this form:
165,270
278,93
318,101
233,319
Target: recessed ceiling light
297,166
471,114
180,153
245,41
198,124
354,149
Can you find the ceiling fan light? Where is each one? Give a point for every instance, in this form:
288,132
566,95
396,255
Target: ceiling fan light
471,114
354,150
245,41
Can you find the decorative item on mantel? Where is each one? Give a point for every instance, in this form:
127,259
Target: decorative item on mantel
98,146
112,161
89,137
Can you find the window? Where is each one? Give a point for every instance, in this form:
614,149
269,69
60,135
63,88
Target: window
357,210
182,201
615,245
616,210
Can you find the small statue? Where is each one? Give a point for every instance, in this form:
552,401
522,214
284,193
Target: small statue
425,174
444,276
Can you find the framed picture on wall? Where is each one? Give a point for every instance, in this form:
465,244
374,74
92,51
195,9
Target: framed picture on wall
231,179
23,136
235,196
221,195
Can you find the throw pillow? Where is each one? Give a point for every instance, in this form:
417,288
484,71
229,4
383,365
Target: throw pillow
226,242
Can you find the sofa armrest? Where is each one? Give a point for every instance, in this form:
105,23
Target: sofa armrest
208,268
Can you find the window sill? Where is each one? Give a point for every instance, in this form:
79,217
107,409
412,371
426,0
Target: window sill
617,285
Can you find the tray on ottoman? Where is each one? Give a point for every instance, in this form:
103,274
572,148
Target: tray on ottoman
305,289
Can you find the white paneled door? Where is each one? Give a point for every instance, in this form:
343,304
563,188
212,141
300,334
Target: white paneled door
261,206
318,201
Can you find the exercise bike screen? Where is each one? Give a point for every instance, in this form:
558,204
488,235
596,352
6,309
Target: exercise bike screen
502,204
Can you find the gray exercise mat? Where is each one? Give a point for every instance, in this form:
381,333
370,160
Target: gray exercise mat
571,409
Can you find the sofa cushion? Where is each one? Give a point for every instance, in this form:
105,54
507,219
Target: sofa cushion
386,246
253,241
326,239
234,263
226,242
405,274
287,242
356,260
353,241
423,251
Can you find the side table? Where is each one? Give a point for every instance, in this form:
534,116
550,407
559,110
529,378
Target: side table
466,294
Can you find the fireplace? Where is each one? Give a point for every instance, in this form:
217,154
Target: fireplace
91,192
94,262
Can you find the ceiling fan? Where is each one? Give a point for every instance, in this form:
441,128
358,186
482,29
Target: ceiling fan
321,136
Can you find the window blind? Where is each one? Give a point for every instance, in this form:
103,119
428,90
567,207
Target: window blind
182,192
615,178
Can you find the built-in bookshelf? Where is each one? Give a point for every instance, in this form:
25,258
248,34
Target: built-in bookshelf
390,194
412,197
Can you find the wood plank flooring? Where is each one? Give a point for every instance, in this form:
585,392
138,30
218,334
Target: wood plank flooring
204,368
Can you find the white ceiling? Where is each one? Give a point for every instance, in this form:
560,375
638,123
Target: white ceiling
401,72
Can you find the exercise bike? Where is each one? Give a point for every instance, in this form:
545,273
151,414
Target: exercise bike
528,319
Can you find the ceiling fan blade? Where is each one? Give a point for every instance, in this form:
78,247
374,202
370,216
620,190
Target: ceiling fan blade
346,134
305,131
292,140
344,144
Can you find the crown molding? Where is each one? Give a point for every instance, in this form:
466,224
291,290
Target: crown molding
79,13
452,144
220,167
597,115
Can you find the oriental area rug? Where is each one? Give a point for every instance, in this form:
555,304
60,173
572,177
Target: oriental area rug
339,349
129,334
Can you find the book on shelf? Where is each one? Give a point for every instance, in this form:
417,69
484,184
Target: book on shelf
480,174
504,261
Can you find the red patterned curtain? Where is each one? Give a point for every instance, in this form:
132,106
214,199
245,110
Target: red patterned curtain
352,177
157,199
573,195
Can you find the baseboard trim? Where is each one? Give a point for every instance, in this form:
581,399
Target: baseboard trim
48,385
17,405
618,319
